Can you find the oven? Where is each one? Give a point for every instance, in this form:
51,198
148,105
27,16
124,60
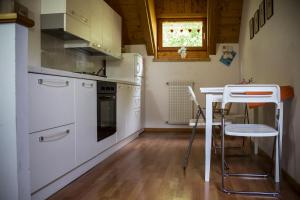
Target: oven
106,109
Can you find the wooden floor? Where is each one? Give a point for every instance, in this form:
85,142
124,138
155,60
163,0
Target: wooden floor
150,168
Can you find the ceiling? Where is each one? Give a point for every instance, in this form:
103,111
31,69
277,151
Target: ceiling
227,12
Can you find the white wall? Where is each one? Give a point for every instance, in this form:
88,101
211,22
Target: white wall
211,73
272,56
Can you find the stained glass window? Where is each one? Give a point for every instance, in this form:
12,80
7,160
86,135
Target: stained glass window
182,33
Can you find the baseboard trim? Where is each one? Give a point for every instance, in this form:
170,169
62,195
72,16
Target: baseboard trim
289,179
171,130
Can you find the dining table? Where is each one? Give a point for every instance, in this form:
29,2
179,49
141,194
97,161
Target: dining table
215,94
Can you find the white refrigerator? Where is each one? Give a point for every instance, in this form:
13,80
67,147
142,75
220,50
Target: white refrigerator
129,68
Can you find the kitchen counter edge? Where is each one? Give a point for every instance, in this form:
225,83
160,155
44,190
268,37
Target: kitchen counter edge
62,73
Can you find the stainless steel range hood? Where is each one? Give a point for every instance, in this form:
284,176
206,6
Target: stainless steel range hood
54,24
84,46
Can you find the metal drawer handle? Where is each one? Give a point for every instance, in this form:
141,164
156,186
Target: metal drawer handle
86,85
53,83
55,137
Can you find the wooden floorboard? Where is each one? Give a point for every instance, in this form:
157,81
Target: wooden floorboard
149,168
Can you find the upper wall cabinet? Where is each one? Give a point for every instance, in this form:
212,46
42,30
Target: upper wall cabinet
112,26
92,20
73,16
96,23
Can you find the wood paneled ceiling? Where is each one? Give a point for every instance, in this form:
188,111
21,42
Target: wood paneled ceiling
132,29
227,13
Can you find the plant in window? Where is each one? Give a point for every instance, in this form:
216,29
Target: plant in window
182,52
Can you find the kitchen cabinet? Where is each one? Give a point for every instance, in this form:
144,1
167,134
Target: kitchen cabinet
123,100
107,36
116,35
52,154
63,128
97,27
111,31
129,105
76,15
86,120
51,101
94,21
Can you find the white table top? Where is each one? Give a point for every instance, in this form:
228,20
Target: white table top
212,90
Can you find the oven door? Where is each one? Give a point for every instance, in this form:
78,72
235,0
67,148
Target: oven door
106,115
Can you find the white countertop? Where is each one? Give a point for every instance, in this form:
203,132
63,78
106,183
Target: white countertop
55,72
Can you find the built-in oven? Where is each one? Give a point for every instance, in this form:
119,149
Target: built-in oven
106,109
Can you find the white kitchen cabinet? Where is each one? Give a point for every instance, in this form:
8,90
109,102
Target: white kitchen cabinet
76,15
123,100
86,119
107,36
116,34
52,154
51,101
96,23
128,110
93,21
112,30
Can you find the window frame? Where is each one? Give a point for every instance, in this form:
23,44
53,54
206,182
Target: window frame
171,49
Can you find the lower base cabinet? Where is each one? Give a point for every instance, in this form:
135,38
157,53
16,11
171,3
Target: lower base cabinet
86,120
52,154
129,105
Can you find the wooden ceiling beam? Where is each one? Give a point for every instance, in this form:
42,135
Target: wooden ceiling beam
148,22
212,21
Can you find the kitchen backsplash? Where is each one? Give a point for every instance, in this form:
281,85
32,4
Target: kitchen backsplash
55,56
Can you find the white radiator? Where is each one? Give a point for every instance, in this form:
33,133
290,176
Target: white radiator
180,105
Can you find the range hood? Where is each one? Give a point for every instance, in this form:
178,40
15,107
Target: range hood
54,24
83,46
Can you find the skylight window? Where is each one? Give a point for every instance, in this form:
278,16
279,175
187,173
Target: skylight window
182,33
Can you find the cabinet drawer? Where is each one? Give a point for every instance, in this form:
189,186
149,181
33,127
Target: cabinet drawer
52,154
51,102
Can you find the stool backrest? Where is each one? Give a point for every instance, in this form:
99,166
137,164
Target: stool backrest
252,93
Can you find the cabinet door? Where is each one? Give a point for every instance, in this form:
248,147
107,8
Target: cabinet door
122,111
79,9
52,154
107,28
78,18
131,105
137,120
86,120
96,23
51,101
117,34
